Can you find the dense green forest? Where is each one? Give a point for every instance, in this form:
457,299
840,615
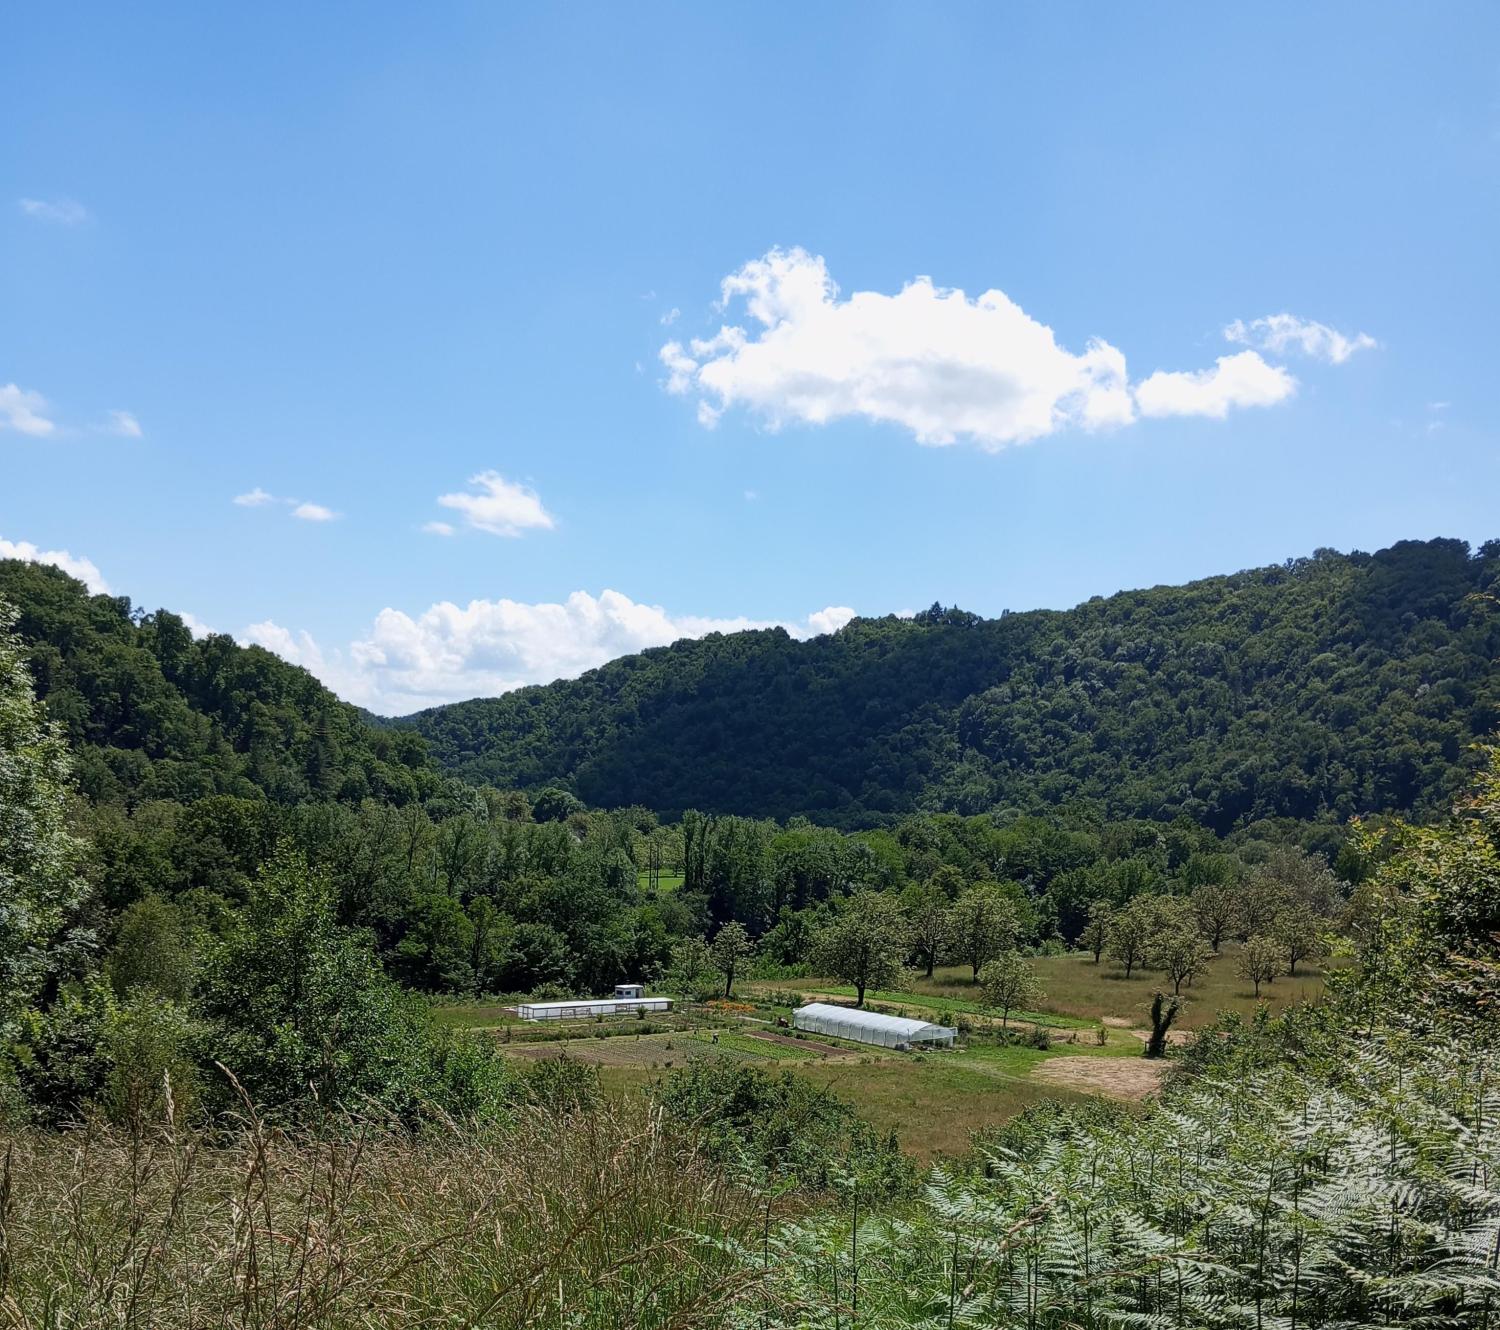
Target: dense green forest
1316,689
228,898
152,713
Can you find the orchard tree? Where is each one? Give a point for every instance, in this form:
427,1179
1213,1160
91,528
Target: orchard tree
731,948
1215,908
982,923
42,890
1132,933
1300,938
1009,984
1095,934
865,945
1183,954
1259,961
926,905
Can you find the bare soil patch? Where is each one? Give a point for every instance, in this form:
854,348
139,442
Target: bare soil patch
1118,1078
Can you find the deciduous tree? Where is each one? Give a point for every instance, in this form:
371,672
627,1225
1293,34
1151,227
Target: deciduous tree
866,944
1009,984
982,923
731,948
1259,961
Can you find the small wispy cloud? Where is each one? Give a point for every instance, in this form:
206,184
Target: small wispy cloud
499,506
60,212
124,424
670,317
24,411
313,512
1283,333
302,509
438,528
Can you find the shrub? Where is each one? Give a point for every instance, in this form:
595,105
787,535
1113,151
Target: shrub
780,1129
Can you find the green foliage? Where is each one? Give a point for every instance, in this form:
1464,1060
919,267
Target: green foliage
562,1085
300,1013
982,924
865,945
1009,984
153,713
152,951
693,973
780,1131
731,949
1313,690
1259,961
42,892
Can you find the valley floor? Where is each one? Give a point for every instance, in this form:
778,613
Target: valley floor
934,1101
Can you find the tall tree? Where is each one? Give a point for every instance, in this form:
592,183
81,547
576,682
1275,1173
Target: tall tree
731,948
982,923
1215,909
865,945
926,905
1132,932
42,889
1095,934
1300,935
1183,954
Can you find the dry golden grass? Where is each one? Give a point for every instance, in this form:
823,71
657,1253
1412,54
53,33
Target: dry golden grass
604,1218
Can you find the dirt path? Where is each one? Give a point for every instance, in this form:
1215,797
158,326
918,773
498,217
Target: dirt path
1118,1078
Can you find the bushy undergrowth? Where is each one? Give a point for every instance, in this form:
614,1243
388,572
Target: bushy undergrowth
597,1218
1362,1194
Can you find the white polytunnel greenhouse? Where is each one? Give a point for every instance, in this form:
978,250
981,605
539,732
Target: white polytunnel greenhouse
869,1027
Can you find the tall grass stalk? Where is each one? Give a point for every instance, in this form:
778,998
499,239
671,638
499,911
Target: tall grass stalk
601,1218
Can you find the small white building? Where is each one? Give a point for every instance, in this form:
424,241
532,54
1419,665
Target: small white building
870,1027
628,998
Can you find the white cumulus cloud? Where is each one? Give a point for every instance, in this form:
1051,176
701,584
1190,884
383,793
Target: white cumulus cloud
499,506
24,411
313,512
1243,379
62,212
945,366
75,565
450,652
1283,333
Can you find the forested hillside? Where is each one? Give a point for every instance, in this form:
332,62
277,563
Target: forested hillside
152,713
1324,687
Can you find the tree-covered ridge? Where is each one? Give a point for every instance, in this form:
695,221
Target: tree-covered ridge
1316,689
152,713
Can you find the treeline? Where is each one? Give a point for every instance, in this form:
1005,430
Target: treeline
1317,689
150,712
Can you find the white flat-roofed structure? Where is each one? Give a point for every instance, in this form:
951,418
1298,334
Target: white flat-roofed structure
583,1008
870,1027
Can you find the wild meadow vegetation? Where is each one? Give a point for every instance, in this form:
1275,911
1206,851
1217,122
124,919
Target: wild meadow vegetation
1226,1057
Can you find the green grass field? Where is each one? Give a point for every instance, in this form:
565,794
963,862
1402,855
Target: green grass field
934,1101
1079,993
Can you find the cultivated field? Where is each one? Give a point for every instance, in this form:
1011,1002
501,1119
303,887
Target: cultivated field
935,1100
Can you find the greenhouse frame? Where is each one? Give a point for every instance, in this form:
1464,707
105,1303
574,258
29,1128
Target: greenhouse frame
870,1027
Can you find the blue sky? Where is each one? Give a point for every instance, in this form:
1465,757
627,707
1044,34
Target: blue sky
355,257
